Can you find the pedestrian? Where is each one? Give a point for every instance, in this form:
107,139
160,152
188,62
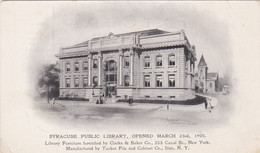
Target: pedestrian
206,103
130,100
53,102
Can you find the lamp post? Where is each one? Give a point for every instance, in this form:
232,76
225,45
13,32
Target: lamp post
93,89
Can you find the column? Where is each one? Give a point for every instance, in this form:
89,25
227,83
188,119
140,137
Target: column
120,67
189,75
90,70
192,75
131,67
99,68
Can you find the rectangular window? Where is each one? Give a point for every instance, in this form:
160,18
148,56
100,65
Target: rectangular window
95,63
172,60
77,66
171,80
76,82
159,81
147,62
112,78
159,61
147,81
127,64
68,67
85,81
172,97
85,66
159,96
67,82
147,96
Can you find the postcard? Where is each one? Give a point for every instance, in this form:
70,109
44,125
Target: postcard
146,76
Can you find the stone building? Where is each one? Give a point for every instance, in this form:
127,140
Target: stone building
205,81
150,64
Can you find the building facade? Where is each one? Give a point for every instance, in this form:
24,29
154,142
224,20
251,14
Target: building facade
151,64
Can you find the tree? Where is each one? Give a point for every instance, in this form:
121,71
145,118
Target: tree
48,82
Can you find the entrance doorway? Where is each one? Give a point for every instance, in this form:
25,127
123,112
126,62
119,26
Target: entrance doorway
110,78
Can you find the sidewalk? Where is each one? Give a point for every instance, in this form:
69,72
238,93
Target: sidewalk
136,106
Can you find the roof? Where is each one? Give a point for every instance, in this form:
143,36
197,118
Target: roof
212,76
149,32
202,61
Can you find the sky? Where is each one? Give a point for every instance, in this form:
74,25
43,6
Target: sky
206,28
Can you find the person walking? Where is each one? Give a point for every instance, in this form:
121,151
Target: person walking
206,103
53,102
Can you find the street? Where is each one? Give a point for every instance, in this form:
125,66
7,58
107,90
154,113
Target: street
109,115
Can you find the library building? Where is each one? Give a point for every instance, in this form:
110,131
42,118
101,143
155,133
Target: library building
150,64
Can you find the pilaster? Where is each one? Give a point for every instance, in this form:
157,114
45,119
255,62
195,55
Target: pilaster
131,66
99,68
90,69
120,67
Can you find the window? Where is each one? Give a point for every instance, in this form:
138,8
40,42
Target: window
76,82
172,97
159,81
85,66
95,63
147,96
85,81
159,96
110,65
68,67
159,61
147,61
147,81
111,78
95,80
67,82
172,60
127,80
76,66
171,80
127,64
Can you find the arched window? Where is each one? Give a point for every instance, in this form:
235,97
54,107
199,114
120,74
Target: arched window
172,60
111,72
159,60
147,61
95,64
95,81
127,80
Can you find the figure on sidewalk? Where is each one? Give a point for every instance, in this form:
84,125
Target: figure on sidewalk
53,102
206,103
130,100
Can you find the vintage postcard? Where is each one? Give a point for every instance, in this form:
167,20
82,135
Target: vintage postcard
133,77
